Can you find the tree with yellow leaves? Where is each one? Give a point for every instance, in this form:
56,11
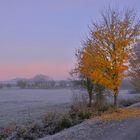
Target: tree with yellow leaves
105,55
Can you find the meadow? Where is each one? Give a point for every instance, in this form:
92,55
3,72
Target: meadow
23,105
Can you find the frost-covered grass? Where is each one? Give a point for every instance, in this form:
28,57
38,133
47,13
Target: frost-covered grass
22,106
21,110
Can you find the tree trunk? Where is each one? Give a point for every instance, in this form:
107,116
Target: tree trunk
90,99
100,99
116,100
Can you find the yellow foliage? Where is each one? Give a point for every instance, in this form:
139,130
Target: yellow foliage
105,55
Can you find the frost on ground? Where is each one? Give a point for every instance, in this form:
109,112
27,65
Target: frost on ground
23,106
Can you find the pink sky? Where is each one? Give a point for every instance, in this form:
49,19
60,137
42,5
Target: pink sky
57,72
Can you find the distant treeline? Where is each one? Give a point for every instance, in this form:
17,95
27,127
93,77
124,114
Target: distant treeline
45,82
37,82
23,84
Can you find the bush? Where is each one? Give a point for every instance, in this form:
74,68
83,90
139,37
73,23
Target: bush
55,122
84,115
31,132
66,122
78,114
51,122
79,100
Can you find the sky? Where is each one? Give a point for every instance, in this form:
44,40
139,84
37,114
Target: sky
42,36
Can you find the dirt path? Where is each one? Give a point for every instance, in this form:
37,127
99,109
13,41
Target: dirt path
96,130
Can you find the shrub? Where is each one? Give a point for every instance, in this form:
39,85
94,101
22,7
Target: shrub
23,133
55,122
79,100
84,115
51,122
66,122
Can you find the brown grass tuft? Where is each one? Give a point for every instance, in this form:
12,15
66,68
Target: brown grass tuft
121,114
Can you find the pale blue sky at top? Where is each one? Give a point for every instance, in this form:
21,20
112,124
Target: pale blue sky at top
41,36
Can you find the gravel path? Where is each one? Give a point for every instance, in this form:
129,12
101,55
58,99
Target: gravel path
96,130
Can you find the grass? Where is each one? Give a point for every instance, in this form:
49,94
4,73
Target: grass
54,122
121,114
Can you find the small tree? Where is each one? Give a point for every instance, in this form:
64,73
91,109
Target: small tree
85,82
90,88
104,59
84,63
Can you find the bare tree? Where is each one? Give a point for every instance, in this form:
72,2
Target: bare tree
134,71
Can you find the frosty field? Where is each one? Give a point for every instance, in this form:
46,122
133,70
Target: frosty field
21,106
18,105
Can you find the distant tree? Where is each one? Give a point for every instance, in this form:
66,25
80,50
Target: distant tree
52,83
8,85
134,71
1,86
105,55
22,84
